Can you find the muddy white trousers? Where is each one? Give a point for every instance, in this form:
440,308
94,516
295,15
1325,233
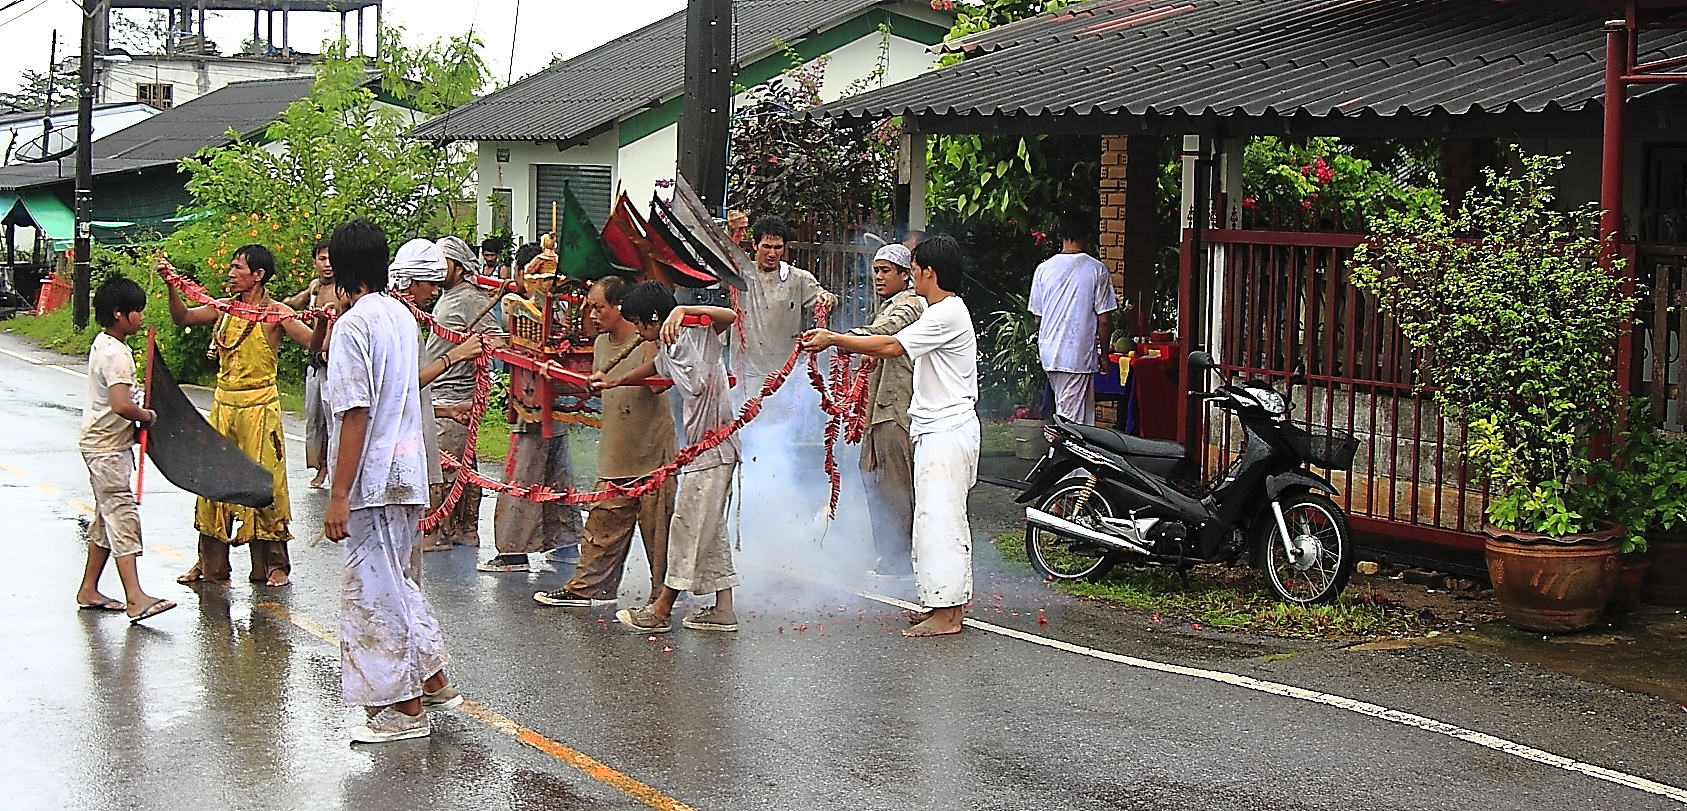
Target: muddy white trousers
390,641
945,468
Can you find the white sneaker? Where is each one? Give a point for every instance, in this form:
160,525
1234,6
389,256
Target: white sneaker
391,725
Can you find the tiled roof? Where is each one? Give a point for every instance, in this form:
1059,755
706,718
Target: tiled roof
627,74
1164,59
245,107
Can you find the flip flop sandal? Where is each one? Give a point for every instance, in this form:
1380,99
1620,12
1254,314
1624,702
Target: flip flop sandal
157,607
108,605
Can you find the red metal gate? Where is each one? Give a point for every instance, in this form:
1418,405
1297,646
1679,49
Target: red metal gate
1282,302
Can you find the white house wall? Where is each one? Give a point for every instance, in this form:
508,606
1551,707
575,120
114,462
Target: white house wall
638,166
905,60
520,175
647,160
190,78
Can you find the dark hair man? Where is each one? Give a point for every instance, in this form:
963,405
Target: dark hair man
319,293
778,304
392,662
247,409
638,437
943,422
1072,297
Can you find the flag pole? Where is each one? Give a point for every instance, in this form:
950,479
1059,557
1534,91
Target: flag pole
146,402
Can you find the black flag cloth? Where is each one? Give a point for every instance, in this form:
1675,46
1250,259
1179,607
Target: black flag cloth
192,455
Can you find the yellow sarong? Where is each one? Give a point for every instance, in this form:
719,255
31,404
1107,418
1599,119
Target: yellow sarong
247,409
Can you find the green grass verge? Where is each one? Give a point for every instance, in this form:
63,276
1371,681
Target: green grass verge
996,436
1226,598
55,331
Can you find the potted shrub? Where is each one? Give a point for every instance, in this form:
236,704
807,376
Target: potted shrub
1616,492
1654,463
1518,324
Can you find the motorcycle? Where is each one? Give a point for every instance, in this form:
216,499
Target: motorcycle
1101,497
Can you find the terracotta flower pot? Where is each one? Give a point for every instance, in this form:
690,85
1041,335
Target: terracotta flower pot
1666,581
1553,584
1631,572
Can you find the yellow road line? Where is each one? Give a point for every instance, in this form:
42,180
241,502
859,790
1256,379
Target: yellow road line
49,488
15,471
81,507
586,764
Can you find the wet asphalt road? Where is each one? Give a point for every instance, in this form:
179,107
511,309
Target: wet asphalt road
232,700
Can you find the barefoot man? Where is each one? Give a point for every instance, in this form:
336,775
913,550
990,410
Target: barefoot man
247,409
944,425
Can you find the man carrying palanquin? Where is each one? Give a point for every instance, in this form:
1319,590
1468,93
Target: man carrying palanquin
247,409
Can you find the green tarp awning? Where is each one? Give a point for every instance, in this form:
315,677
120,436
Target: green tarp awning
50,216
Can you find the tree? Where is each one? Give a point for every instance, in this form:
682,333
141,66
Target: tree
814,169
33,94
338,154
146,32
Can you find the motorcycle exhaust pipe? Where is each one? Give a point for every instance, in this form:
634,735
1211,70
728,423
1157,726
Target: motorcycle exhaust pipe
1061,526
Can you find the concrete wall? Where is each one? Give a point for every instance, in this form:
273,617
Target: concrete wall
639,165
190,78
520,175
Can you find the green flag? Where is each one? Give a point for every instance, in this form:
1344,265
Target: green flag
581,253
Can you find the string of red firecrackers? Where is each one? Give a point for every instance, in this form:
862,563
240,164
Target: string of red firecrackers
844,403
237,308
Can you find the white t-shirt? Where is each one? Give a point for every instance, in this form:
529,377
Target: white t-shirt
693,361
1069,291
372,364
945,353
110,362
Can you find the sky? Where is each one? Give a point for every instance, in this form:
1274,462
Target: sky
565,27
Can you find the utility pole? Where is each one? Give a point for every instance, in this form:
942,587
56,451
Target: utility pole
92,10
706,121
47,104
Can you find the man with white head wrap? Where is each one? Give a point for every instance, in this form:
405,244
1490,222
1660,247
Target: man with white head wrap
417,272
887,454
460,302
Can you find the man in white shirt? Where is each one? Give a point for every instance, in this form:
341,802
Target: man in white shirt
943,422
392,654
1072,297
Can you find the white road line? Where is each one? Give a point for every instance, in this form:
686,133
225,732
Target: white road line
84,375
1288,691
24,358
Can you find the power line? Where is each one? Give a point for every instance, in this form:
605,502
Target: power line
20,15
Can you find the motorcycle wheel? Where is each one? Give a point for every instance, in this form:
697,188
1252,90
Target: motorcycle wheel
1325,561
1058,558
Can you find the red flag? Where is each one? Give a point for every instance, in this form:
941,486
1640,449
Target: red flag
629,238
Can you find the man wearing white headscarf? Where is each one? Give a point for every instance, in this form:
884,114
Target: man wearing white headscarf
461,302
887,454
417,271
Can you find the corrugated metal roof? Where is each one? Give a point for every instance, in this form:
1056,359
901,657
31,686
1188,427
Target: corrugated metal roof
34,175
1160,58
245,107
626,74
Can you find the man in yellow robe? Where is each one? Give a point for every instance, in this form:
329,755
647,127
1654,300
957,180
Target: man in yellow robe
247,409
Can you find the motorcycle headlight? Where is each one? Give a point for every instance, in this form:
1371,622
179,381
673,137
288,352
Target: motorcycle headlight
1270,400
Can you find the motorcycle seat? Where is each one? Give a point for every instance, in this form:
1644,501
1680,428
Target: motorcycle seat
1127,445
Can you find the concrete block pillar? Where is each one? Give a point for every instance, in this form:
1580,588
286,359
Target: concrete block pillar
1126,240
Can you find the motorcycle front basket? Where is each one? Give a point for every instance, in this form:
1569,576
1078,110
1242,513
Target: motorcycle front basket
1321,446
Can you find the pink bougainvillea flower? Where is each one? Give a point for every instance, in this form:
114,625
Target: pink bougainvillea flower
1250,203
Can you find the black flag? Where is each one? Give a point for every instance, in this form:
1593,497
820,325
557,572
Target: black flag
192,455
